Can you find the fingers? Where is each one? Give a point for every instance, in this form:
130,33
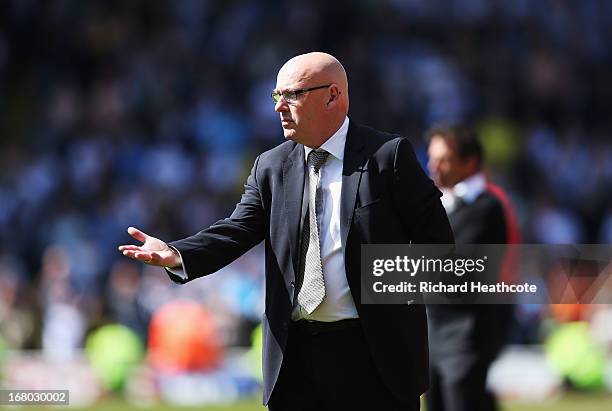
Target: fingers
131,253
137,234
147,257
128,247
145,253
144,256
155,258
139,255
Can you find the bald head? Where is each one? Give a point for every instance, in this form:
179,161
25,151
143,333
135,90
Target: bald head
317,114
316,66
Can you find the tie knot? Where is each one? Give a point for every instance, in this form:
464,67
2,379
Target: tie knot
317,158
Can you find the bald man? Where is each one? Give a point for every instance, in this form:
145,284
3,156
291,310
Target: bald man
313,200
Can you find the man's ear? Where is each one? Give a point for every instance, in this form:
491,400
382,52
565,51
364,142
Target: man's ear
333,95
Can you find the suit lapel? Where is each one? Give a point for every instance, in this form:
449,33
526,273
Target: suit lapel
293,189
354,158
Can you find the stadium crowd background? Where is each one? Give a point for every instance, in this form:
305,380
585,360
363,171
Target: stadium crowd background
150,114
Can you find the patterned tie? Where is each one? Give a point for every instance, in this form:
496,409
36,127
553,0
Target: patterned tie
312,289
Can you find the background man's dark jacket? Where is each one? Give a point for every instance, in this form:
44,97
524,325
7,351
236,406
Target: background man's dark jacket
471,328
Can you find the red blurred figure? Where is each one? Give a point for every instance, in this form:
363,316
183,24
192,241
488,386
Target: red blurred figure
183,338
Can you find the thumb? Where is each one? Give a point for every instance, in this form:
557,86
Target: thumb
137,234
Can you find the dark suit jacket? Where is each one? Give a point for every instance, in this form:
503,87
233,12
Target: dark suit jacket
386,198
480,222
473,329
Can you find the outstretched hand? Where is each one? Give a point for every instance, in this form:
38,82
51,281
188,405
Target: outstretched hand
153,251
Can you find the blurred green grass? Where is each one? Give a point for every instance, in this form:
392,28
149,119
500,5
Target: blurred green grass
569,402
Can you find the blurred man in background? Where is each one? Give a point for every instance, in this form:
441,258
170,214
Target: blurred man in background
464,339
314,200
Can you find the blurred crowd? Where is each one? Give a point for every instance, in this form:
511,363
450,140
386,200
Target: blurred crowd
150,114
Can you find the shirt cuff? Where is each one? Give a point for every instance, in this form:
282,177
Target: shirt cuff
179,272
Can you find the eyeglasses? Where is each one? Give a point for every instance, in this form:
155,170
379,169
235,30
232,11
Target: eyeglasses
291,96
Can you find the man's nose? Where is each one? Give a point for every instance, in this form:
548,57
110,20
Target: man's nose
281,106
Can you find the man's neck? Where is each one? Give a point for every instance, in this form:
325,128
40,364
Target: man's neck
331,130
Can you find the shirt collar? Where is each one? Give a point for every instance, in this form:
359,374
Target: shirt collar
467,191
470,188
335,144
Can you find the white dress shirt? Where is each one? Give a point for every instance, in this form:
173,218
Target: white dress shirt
338,303
467,190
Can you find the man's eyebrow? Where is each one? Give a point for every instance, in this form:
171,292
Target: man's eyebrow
288,89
